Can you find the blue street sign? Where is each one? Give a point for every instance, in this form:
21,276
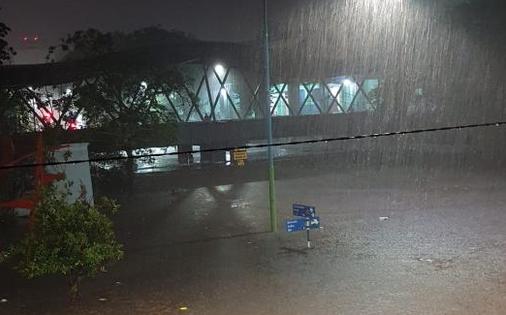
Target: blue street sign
304,211
314,223
302,224
296,225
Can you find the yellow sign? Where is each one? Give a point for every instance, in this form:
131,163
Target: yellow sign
240,156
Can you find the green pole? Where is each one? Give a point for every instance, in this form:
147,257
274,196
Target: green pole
268,121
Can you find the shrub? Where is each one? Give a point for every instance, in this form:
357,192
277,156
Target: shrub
72,239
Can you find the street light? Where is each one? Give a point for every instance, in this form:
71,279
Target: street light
268,120
220,70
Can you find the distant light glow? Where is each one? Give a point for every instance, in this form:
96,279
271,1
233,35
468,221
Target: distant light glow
46,115
72,125
225,188
144,85
335,90
223,92
348,82
220,70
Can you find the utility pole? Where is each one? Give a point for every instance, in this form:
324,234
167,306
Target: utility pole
268,119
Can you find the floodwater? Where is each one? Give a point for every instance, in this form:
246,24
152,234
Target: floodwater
441,249
410,225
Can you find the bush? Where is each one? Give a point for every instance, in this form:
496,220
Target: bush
72,239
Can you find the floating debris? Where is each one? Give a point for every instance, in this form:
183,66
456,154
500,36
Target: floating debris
102,299
242,204
384,218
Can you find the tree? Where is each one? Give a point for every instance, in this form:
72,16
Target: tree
13,112
124,96
41,108
5,50
17,105
71,239
9,103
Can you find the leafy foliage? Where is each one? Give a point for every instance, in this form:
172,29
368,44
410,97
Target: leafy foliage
126,90
13,113
56,107
5,50
72,239
9,104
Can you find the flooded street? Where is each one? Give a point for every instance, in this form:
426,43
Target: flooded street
394,241
228,133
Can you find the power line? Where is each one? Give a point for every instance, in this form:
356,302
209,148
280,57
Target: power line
262,145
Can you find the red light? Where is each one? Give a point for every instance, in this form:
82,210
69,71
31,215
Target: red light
72,125
46,116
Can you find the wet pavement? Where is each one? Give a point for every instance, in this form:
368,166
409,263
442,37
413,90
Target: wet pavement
440,249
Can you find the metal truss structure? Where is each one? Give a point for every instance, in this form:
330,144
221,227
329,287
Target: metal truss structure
224,94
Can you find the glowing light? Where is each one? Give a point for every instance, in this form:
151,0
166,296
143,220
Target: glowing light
183,308
144,85
72,125
225,188
335,90
223,92
47,118
348,82
220,70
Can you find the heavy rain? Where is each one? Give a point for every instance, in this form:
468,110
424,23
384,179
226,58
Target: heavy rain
253,157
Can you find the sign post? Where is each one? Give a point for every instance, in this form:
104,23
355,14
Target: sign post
307,221
308,239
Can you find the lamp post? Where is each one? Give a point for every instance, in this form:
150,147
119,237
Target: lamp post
268,119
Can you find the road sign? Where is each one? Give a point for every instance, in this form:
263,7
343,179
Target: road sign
296,225
302,224
308,222
313,223
304,211
240,156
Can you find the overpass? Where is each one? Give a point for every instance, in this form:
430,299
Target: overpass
227,109
237,133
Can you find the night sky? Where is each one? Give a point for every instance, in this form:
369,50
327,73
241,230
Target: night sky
230,20
218,20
